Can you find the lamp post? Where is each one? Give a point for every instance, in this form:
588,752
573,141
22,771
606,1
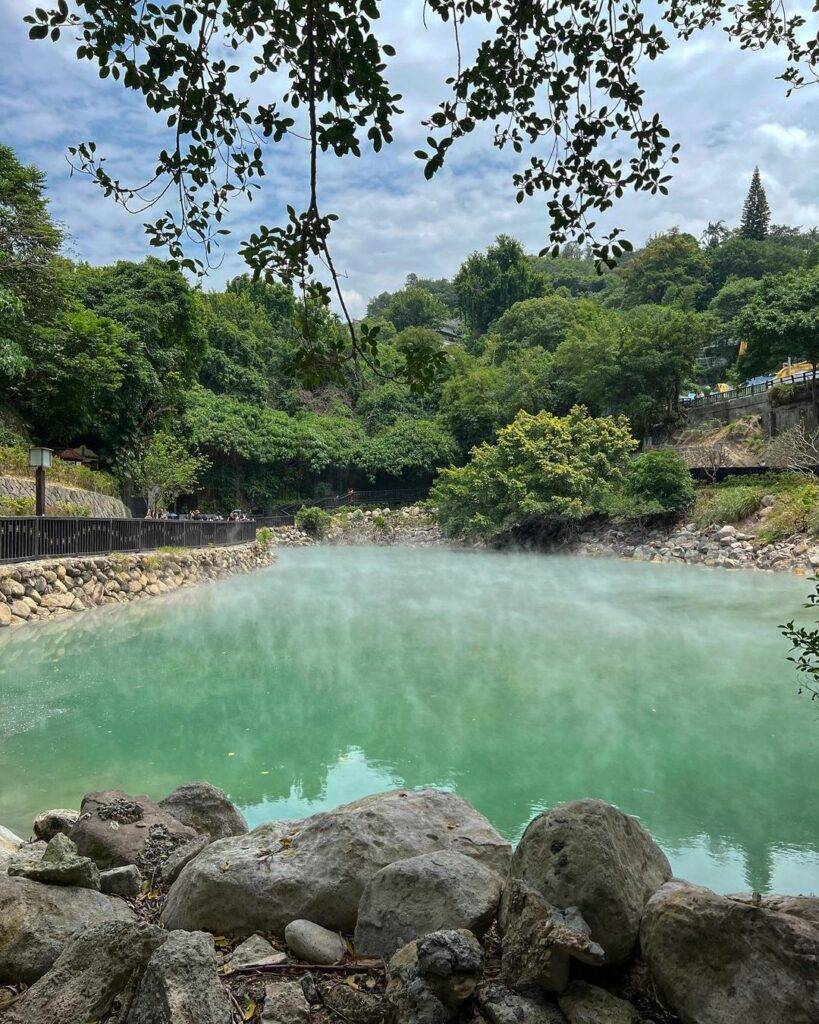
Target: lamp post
40,460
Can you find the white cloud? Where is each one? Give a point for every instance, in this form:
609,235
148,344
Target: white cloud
788,137
723,104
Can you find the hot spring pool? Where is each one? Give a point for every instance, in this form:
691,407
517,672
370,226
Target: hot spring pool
518,680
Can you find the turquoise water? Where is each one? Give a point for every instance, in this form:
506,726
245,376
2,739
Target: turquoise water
519,680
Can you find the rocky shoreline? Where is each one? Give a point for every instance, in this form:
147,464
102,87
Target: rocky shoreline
725,547
405,907
48,589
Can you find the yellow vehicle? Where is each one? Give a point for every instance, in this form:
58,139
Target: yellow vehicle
790,369
723,388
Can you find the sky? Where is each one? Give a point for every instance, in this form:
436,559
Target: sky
723,105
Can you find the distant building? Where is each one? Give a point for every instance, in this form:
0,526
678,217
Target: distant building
81,454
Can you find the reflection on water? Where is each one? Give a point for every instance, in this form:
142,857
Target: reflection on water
518,680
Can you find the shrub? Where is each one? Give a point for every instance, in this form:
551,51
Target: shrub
544,470
660,477
313,520
14,462
17,506
264,535
719,505
793,512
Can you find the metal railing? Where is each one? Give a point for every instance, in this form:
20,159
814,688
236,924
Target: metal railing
718,397
27,537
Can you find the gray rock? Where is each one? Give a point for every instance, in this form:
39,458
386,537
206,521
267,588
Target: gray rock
806,907
715,960
92,970
124,881
9,845
313,944
180,984
284,1003
206,809
428,893
50,823
253,951
317,869
586,1004
588,854
500,1005
114,829
36,922
59,865
180,857
431,978
540,941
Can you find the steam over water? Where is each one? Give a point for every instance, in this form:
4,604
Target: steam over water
518,680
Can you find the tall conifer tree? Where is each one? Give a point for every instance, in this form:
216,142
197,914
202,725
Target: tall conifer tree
756,213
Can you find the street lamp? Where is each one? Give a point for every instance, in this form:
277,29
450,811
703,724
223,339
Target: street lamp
40,460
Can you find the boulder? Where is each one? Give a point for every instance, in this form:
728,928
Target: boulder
317,869
181,856
180,984
806,907
427,893
284,1003
205,809
582,1003
93,968
49,823
500,1005
431,978
125,881
588,854
313,944
9,845
36,922
716,960
114,829
59,865
540,941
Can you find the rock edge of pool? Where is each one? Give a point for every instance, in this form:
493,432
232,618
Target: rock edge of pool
403,906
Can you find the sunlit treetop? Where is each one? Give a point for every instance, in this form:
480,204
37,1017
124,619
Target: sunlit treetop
557,80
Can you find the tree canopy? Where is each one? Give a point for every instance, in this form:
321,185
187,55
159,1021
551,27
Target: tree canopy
555,81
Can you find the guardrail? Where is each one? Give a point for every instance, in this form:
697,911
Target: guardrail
27,537
718,397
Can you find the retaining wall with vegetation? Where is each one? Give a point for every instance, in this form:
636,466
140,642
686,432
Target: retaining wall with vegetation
66,500
34,591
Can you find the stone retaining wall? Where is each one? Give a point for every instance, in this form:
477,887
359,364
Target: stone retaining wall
34,591
101,506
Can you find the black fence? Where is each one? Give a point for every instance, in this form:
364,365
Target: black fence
718,397
26,537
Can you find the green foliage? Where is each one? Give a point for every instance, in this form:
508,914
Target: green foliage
662,477
756,213
383,404
670,270
719,505
489,283
27,507
264,535
543,471
313,520
781,320
409,449
543,322
414,306
14,462
161,468
793,512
